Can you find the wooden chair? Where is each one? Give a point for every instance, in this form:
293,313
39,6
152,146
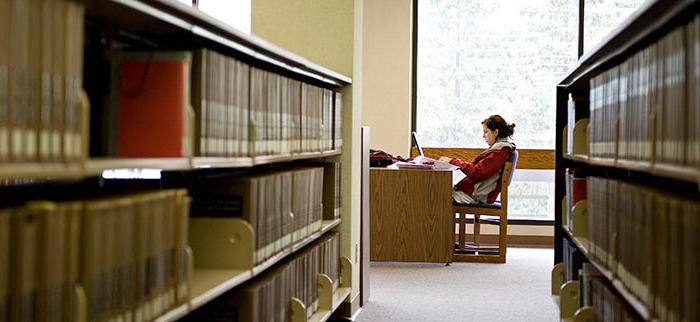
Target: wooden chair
475,251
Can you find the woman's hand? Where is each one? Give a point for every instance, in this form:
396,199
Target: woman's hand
445,159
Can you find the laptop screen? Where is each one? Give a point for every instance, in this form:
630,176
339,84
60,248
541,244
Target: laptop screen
415,141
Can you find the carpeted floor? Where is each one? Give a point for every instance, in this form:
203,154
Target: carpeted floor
516,291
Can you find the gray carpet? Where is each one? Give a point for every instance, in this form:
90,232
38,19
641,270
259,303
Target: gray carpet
515,291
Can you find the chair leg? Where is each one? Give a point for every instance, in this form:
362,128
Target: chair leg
477,229
462,230
503,237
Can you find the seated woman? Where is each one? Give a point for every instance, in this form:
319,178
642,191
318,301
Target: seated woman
482,184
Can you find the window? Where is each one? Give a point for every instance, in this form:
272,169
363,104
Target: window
602,16
531,195
482,57
235,13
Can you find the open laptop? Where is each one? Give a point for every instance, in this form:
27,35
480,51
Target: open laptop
457,174
415,141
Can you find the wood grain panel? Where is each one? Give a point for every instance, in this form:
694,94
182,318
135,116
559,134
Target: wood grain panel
528,159
410,215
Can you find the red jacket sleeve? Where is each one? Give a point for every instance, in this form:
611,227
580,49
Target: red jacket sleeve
483,167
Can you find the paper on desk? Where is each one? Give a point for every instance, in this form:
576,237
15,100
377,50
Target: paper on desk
457,174
412,165
437,165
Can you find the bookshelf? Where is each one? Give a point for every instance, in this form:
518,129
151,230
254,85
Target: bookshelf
635,94
86,158
208,284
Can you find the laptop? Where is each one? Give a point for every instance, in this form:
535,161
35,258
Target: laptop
415,141
457,174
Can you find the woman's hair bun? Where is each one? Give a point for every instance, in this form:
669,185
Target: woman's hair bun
511,129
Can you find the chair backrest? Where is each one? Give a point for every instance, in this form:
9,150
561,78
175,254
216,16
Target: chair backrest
507,177
514,161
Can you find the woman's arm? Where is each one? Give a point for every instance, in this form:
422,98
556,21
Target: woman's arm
484,167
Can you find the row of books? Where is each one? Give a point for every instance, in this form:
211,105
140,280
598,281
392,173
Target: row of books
646,108
221,92
127,253
647,238
607,306
268,297
283,205
331,187
238,110
41,114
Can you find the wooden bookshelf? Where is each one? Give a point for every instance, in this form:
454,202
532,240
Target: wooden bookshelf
583,245
636,304
338,297
159,25
95,167
191,25
661,170
208,284
634,165
212,162
41,170
617,153
648,19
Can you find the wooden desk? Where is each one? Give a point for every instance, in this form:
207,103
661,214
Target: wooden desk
411,216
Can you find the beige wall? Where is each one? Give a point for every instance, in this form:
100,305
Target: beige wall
324,32
318,30
386,69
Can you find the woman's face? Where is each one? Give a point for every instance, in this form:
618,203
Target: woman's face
489,135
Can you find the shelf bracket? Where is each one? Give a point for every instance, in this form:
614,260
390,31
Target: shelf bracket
297,310
345,272
325,292
557,278
579,217
81,303
569,299
584,314
227,243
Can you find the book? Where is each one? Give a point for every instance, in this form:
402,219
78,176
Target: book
412,165
150,124
5,247
58,141
19,78
25,286
5,48
46,128
73,228
587,274
337,121
51,259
